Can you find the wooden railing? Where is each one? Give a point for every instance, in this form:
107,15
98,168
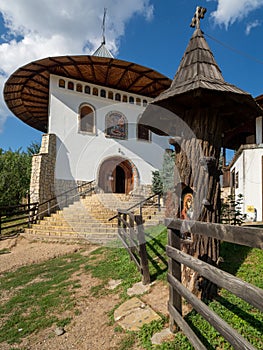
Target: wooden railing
131,234
153,200
251,237
14,218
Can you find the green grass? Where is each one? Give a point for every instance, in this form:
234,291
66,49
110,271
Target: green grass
247,264
38,295
41,293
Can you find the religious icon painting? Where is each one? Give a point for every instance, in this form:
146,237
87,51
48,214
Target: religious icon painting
187,207
116,125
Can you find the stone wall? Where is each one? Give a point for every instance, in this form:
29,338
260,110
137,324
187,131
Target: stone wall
42,185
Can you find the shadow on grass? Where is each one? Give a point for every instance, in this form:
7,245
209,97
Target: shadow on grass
197,332
233,256
156,251
242,314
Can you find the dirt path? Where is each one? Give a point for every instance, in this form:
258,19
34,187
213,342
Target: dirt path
89,328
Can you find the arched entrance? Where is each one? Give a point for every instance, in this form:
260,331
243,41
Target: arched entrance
116,175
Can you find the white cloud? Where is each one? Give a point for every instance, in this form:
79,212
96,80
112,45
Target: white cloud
36,29
252,25
230,11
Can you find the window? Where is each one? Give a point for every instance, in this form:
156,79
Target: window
118,97
70,85
116,125
237,179
61,83
95,92
79,87
87,119
131,100
102,93
138,101
110,95
87,89
144,103
124,98
143,133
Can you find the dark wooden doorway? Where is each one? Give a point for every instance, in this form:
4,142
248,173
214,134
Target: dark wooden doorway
119,180
116,176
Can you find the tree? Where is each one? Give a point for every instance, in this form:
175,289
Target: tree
15,172
167,173
163,180
231,213
157,183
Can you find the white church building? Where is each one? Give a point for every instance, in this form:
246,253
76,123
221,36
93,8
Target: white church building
88,108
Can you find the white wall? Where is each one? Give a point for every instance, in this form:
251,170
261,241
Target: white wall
249,168
79,155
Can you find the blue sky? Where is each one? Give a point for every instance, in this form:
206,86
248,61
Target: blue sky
152,33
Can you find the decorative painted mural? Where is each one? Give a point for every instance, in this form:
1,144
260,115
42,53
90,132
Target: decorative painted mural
116,126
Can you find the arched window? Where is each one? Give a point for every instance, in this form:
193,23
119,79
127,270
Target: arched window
138,101
70,85
143,133
116,125
87,119
95,92
61,83
110,95
79,88
144,103
124,98
102,93
117,97
131,99
87,89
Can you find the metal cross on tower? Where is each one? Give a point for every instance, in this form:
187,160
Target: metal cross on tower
103,26
199,13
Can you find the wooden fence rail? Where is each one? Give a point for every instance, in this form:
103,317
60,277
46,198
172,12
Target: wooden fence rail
131,234
251,237
14,218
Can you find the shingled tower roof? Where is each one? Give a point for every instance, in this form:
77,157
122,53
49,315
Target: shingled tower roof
198,83
198,70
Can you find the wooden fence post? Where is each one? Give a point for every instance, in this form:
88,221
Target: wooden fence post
146,278
174,268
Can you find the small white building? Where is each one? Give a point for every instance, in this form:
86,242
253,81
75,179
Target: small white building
246,174
246,179
89,109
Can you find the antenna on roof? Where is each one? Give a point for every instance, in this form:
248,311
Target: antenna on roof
199,13
103,26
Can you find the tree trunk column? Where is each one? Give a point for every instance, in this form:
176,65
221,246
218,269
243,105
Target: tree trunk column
197,173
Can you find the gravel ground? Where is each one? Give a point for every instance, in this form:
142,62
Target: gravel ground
87,331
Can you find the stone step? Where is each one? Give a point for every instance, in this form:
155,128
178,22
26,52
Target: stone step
89,217
97,238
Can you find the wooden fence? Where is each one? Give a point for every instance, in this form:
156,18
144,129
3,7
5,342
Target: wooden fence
251,237
131,234
15,218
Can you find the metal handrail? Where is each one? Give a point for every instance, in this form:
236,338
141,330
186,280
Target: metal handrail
139,204
67,199
32,209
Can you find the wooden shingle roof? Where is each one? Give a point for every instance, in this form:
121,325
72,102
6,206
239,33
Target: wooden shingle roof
198,83
26,92
198,70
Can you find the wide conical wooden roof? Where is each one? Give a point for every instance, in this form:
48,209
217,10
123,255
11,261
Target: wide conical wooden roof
198,82
26,92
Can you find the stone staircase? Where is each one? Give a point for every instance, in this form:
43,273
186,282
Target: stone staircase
89,218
